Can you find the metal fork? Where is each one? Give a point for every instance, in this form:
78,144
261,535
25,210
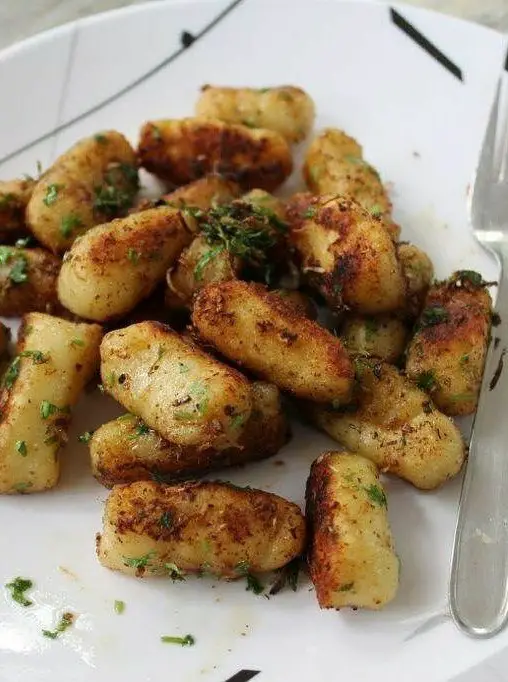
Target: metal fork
479,573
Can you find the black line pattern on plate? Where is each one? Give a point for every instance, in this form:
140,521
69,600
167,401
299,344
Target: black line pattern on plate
425,44
187,39
243,676
506,61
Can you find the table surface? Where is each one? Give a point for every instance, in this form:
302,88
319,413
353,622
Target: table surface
22,18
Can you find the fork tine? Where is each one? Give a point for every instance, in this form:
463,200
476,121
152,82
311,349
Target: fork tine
485,170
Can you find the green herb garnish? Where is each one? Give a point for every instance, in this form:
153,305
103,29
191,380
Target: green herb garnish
310,212
18,273
66,621
47,409
166,521
141,430
182,368
77,342
474,278
253,584
188,640
138,562
51,194
287,576
433,315
21,448
68,224
133,256
376,211
175,573
100,138
376,495
117,193
85,437
427,380
347,587
243,230
18,587
119,606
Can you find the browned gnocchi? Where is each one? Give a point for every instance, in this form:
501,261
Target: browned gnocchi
286,109
244,530
94,181
447,353
181,151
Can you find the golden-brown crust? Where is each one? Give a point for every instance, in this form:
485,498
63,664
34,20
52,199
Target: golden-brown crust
346,254
447,353
286,109
254,328
38,292
125,450
207,526
350,549
186,150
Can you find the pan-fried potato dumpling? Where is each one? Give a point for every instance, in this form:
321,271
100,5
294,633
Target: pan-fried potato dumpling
96,180
419,273
286,109
111,268
28,281
348,256
126,450
14,197
180,151
256,329
351,556
195,269
175,387
446,355
395,425
381,336
55,360
154,529
334,164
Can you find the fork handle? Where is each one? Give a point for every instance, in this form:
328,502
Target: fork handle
479,575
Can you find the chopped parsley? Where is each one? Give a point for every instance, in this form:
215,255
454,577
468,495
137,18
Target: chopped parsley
116,195
166,520
138,562
175,573
37,356
23,486
310,212
141,430
347,587
376,495
464,359
156,133
427,380
66,621
19,263
244,230
12,372
376,211
18,587
69,223
21,448
469,276
188,640
52,193
182,368
253,584
427,407
100,138
237,420
119,606
133,256
433,315
77,342
85,437
47,409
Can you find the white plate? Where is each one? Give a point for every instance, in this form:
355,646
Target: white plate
420,110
